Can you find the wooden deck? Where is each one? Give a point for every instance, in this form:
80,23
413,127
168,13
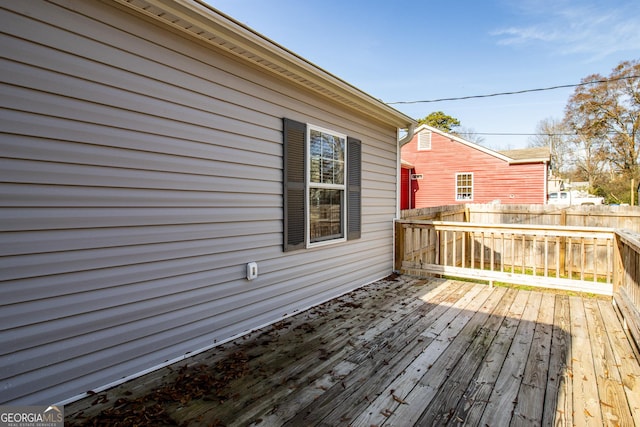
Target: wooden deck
401,352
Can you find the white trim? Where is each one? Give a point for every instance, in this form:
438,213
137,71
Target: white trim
399,164
343,187
546,183
455,196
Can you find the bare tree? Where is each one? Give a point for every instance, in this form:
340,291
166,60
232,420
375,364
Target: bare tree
553,133
606,118
589,162
470,135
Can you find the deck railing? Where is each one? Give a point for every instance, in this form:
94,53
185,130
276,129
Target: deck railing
569,258
586,259
626,285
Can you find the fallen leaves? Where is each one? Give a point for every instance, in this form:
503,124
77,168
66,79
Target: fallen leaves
209,383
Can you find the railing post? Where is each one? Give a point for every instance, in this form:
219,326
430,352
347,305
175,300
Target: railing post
618,266
563,244
399,249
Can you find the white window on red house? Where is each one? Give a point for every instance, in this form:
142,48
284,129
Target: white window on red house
464,186
424,140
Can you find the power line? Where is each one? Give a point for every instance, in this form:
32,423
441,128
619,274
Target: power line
528,134
517,91
516,134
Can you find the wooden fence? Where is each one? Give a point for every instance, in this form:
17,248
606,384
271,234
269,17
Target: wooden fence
438,213
618,217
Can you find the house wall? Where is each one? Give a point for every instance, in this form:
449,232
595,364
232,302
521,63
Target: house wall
493,178
140,172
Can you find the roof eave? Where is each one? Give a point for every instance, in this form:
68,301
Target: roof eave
198,19
523,161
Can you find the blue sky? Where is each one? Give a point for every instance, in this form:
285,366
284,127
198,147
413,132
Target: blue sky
407,50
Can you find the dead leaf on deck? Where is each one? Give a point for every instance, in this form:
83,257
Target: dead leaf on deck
386,412
606,404
399,400
100,400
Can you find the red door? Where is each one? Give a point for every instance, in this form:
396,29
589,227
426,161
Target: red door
407,189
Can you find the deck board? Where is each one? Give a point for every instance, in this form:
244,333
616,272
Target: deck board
401,352
622,364
483,329
471,410
504,396
530,400
586,407
613,402
558,396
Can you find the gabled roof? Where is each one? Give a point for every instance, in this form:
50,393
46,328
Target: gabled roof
526,155
529,155
206,24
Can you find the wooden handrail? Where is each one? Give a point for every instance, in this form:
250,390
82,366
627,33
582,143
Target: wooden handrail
626,283
527,229
571,258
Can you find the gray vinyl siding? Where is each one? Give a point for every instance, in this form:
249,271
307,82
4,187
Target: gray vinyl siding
139,172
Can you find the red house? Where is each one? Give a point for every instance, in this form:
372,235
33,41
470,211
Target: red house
443,169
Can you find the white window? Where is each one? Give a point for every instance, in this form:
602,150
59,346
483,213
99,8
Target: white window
326,185
424,140
464,186
322,176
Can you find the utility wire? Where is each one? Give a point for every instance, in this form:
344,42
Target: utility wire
526,134
517,92
517,134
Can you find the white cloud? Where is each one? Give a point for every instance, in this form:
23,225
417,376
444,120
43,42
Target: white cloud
566,28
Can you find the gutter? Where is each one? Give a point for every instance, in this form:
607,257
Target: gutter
409,136
546,182
401,142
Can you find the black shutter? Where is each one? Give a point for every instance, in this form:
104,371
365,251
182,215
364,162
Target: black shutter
294,184
354,176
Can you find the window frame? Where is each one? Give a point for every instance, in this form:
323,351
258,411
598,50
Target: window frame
457,187
309,185
294,187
